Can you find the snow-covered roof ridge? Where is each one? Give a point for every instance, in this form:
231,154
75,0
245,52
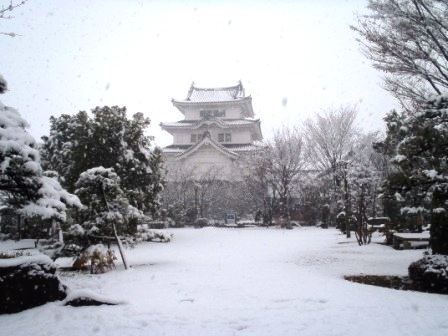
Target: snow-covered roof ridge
244,147
222,123
198,94
220,97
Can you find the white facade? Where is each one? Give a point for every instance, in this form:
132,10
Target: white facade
218,128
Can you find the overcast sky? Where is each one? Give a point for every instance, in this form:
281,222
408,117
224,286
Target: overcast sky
295,58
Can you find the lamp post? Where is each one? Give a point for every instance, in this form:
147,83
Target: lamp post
197,186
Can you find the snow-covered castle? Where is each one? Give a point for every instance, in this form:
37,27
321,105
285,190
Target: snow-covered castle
218,129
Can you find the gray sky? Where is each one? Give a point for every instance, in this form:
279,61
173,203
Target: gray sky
74,55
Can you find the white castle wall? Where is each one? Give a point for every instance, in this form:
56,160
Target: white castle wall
206,159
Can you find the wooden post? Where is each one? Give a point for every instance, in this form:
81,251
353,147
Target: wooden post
120,248
120,245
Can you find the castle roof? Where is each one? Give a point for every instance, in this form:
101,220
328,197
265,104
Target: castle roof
253,124
222,94
207,140
177,150
222,123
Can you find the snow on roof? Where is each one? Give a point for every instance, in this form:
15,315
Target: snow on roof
234,148
207,140
196,94
211,120
244,147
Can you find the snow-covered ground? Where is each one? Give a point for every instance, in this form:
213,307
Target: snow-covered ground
244,282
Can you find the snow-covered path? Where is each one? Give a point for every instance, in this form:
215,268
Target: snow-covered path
245,282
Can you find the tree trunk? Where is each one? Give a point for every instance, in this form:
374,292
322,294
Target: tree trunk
347,207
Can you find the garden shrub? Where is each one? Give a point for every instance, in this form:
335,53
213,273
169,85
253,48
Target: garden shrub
145,234
27,281
430,273
200,222
98,257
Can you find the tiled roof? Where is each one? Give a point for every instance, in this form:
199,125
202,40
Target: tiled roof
244,147
236,148
221,122
207,140
215,94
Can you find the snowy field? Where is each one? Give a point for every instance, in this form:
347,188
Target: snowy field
244,282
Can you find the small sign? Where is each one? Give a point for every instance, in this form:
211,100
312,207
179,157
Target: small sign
230,218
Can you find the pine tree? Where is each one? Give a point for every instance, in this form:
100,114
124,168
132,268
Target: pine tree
106,204
23,184
422,158
107,139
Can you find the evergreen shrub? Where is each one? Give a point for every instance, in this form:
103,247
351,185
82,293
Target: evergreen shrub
430,273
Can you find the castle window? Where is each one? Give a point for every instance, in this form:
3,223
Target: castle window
196,137
212,113
224,137
220,113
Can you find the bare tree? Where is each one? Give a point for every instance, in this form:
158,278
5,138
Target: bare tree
179,180
257,179
359,181
330,138
408,40
5,13
285,162
208,190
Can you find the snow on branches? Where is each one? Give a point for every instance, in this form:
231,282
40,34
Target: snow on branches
23,184
408,41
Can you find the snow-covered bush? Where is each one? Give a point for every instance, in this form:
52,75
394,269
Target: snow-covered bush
157,224
106,204
98,257
4,236
200,222
430,273
145,234
27,281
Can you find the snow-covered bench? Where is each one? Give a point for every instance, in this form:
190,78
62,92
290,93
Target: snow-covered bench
410,240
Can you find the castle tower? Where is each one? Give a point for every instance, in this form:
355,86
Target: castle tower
218,129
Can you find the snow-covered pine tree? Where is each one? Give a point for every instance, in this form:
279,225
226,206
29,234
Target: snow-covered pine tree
394,180
422,156
68,148
23,185
106,203
111,140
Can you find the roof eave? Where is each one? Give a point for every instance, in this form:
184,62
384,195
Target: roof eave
206,141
